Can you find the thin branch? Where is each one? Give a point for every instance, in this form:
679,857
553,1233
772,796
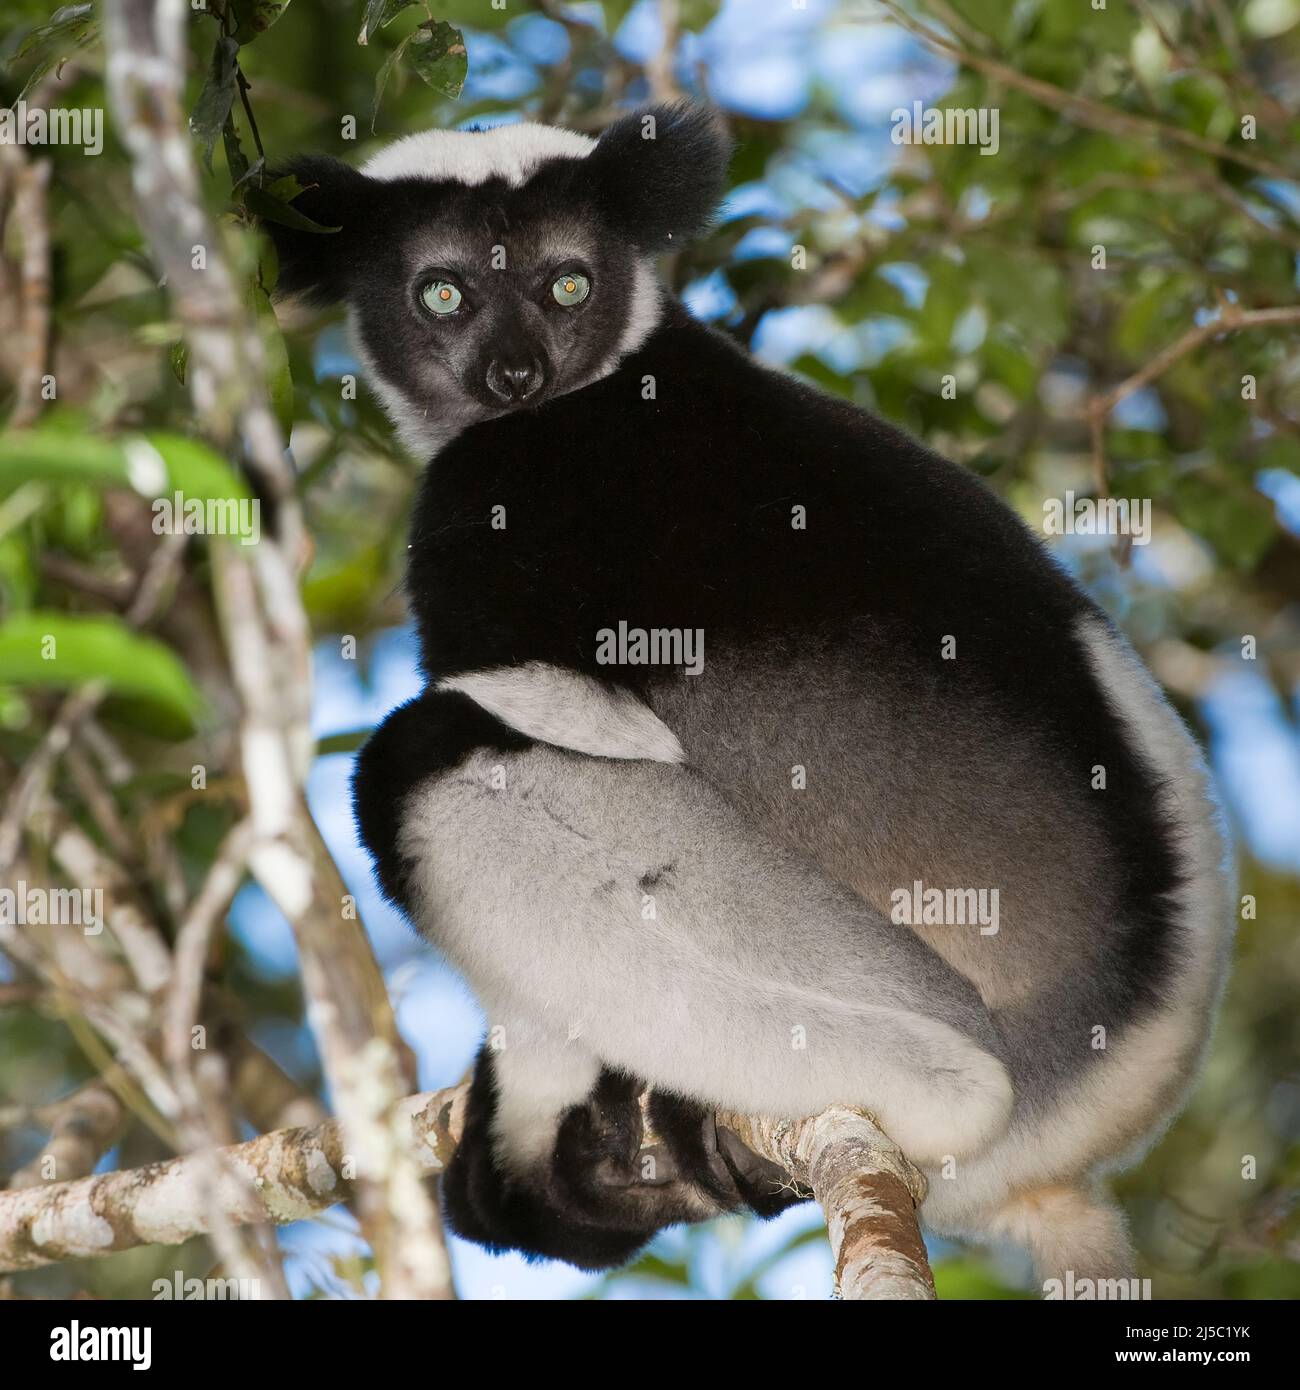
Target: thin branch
154,584
30,215
289,1175
83,1127
1230,319
204,1120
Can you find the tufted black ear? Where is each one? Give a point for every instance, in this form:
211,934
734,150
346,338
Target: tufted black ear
659,174
317,265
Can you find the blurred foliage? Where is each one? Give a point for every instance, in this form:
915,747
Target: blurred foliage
879,272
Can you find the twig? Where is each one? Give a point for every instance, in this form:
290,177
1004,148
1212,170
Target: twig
83,1127
204,1119
659,69
1230,319
151,590
32,183
289,1175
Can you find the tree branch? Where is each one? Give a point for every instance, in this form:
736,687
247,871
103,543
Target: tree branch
288,1175
867,1189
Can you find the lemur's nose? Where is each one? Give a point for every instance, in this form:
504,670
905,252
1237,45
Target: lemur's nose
513,382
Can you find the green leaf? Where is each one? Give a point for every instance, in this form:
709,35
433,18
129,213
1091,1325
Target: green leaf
262,203
218,94
53,43
62,650
437,53
616,11
379,14
382,76
236,160
151,465
348,742
1237,522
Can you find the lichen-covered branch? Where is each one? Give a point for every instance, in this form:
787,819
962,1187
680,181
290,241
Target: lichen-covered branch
866,1187
289,1175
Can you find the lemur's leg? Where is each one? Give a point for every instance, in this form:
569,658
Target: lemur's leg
628,906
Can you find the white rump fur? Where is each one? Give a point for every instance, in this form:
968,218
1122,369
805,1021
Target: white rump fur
570,710
510,152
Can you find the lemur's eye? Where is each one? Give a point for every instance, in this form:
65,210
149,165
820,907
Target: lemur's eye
571,289
442,297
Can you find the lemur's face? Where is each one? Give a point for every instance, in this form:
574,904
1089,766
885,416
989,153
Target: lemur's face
489,271
489,298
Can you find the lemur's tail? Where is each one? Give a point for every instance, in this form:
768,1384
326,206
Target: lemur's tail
1072,1234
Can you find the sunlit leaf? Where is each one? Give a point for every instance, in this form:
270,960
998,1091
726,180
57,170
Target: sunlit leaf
255,17
63,650
152,465
436,53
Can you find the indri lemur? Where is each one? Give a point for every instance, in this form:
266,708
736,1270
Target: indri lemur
690,881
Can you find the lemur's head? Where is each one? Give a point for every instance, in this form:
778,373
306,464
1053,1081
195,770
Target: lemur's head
487,271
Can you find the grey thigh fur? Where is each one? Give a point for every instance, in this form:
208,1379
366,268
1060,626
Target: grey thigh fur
628,905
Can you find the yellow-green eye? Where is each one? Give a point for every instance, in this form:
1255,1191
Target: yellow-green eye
442,297
571,289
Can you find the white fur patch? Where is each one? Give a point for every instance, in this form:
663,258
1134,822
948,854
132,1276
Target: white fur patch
645,309
570,710
510,152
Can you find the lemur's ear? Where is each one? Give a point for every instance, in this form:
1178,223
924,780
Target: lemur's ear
316,265
659,174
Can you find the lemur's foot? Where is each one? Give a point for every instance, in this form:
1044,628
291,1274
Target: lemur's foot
622,1167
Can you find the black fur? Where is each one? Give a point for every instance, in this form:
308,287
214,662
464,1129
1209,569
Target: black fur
675,512
656,175
318,265
595,1205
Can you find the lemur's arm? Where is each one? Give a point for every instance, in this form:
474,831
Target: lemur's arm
570,710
